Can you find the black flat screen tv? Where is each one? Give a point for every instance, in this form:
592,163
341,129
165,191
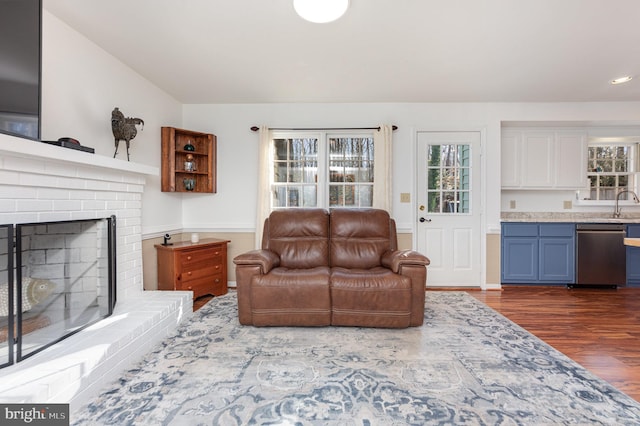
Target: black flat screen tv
20,62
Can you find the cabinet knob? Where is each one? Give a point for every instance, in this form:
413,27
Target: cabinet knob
217,280
216,253
189,288
217,266
188,257
189,273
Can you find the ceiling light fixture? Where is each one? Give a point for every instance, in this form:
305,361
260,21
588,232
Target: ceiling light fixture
320,11
621,79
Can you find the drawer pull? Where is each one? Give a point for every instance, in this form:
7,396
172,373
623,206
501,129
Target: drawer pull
189,273
217,266
188,257
189,288
216,253
217,280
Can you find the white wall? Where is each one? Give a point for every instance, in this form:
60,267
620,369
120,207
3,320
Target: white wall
81,84
234,205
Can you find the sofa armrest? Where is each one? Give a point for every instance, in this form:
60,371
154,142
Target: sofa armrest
394,260
410,264
265,259
249,265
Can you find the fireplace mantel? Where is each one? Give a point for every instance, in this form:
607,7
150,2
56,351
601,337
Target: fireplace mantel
26,148
40,182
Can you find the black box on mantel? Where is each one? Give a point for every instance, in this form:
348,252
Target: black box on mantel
73,145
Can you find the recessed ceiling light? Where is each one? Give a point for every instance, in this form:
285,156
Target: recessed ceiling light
320,11
621,79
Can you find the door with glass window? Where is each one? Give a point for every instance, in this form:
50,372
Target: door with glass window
448,202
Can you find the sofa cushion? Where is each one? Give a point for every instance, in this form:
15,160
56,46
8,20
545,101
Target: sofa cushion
370,298
300,237
291,296
359,237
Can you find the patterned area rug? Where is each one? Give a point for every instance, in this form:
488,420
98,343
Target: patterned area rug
467,365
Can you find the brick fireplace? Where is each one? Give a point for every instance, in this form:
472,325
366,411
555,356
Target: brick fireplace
44,183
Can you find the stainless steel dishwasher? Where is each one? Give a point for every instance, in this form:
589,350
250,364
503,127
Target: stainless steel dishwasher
600,254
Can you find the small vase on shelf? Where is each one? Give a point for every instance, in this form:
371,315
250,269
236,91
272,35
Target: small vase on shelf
189,147
189,184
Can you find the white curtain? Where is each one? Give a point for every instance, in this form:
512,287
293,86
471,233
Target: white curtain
382,161
264,182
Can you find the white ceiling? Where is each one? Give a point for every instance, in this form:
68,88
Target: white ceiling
260,51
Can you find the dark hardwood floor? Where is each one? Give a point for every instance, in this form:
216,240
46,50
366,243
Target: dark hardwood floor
201,301
597,328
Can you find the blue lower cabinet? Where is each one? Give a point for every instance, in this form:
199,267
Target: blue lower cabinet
519,260
557,260
540,253
633,257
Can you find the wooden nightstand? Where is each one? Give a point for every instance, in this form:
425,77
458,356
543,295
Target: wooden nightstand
199,267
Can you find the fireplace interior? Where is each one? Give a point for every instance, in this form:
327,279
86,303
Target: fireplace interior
64,280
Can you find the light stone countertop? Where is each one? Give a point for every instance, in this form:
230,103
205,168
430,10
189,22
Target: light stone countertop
568,217
635,242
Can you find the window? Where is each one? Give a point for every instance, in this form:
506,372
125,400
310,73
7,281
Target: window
351,172
448,178
322,170
611,169
295,172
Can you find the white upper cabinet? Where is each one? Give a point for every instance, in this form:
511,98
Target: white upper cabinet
544,159
571,153
538,159
510,164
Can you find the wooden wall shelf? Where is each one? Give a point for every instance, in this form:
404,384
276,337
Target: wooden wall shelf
174,176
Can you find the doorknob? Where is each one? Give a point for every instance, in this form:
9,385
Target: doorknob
422,219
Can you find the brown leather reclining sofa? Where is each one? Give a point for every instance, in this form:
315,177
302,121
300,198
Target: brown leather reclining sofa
342,268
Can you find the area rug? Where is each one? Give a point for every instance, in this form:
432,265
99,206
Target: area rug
467,365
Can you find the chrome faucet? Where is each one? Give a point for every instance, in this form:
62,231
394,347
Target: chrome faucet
616,210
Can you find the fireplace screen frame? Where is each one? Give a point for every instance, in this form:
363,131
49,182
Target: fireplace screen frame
83,272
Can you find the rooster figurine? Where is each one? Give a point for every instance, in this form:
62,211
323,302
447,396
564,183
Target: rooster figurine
124,128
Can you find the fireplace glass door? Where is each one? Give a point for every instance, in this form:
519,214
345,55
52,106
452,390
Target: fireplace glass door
64,281
7,314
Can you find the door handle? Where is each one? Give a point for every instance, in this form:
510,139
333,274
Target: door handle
422,219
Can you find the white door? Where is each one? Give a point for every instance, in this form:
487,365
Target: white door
448,202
